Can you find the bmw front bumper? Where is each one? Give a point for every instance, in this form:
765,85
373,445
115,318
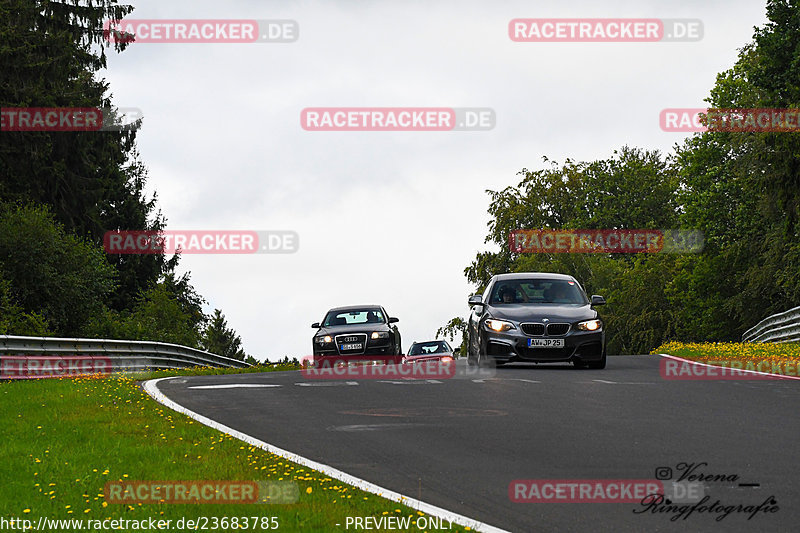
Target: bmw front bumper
513,345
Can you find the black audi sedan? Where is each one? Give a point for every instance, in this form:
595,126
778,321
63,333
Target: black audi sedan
356,330
535,317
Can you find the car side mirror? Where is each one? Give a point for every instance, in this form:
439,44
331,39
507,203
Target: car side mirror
315,325
392,320
475,299
598,300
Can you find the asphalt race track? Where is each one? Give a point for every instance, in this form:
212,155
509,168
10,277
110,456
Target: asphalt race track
458,443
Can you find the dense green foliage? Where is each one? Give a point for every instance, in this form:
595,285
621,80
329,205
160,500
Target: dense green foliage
741,189
220,339
14,319
51,272
61,191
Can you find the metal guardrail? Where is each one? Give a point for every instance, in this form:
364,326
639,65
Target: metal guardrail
781,327
27,357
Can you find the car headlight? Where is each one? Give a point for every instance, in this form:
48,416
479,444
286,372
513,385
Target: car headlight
324,340
379,335
590,325
499,325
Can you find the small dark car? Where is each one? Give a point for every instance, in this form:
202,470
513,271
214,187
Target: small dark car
356,330
429,351
535,317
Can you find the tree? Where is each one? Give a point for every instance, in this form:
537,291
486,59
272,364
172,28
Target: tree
15,321
51,273
93,181
190,302
456,326
743,189
221,340
156,316
633,189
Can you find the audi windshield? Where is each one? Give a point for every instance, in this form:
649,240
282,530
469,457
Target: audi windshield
354,316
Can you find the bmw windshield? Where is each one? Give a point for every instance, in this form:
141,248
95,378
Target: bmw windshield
537,292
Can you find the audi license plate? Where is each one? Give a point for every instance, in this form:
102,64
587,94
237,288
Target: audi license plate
545,343
345,347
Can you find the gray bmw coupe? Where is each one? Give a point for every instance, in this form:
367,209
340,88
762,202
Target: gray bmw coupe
535,317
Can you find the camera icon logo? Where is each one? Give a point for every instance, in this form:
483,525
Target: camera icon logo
663,473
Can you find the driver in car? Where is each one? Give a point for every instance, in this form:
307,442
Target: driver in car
560,295
508,295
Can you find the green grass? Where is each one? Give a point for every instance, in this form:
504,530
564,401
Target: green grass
64,439
214,371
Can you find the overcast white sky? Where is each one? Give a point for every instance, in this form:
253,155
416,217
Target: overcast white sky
387,217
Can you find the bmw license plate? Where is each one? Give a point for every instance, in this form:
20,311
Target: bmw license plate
545,343
345,347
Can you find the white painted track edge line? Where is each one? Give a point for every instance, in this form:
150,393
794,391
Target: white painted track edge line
151,388
778,376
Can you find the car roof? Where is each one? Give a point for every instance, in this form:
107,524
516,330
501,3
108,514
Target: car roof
533,275
426,342
354,308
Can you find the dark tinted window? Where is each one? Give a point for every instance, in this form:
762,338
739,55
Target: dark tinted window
423,348
537,291
355,316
